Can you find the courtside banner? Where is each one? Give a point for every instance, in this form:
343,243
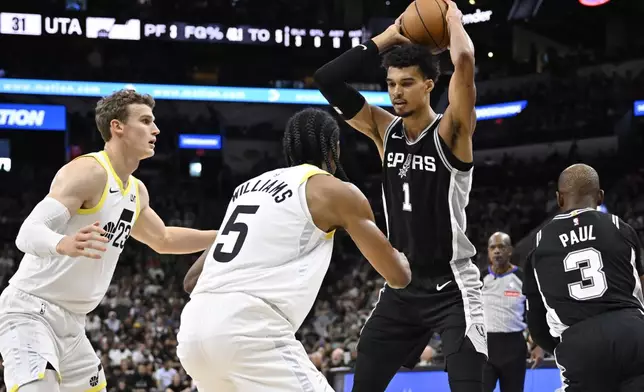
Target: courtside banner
33,117
218,94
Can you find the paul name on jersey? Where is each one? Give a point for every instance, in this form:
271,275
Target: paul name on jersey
581,234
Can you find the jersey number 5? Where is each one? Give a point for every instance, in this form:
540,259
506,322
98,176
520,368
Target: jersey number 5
593,280
233,226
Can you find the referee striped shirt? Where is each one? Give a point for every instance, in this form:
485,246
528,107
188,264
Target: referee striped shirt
503,301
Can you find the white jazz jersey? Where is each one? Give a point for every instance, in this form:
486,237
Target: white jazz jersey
79,284
268,245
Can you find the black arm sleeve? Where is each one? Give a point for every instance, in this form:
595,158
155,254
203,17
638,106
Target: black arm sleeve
331,78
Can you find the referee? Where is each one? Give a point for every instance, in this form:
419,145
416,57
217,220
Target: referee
504,305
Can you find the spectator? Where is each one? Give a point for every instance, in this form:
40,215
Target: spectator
164,375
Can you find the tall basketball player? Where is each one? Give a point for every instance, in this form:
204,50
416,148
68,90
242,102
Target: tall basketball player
584,290
72,241
263,273
427,176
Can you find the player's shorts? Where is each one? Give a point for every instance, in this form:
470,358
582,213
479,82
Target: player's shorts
237,342
604,353
34,332
403,321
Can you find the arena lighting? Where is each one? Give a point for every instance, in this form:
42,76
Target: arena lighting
593,3
638,108
219,94
199,141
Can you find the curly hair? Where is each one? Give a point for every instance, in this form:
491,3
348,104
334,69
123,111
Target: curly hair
410,55
309,137
114,107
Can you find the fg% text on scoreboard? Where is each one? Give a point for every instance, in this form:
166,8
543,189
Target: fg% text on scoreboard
286,36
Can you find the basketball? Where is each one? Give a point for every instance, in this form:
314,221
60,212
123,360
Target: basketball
424,23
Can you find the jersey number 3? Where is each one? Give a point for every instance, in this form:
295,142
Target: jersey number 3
233,226
593,280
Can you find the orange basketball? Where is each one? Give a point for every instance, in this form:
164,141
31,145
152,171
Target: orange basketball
424,23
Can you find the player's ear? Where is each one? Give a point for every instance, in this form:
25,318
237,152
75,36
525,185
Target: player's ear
116,127
560,201
600,197
429,85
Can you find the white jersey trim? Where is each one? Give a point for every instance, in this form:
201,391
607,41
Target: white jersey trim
557,327
423,133
573,213
637,291
387,132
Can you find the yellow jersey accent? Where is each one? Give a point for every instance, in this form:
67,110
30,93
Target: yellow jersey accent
313,170
98,387
116,177
40,377
87,211
138,197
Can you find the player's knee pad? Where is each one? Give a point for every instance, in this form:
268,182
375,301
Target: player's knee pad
467,364
49,383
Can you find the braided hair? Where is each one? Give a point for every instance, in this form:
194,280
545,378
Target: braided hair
312,136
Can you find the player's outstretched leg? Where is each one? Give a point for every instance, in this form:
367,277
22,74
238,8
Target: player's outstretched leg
49,383
490,378
465,366
385,346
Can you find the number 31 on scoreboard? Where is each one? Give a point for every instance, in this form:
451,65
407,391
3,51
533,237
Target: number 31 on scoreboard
20,24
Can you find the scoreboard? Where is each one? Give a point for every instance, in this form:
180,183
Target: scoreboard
137,30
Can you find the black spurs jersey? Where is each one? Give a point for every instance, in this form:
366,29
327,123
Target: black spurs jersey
425,191
585,263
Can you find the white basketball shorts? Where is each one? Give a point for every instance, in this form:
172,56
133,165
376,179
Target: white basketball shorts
33,332
236,342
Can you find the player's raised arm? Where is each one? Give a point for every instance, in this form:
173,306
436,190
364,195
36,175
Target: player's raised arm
150,230
334,204
76,184
332,81
460,115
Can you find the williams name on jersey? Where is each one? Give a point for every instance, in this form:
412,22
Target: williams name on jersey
276,188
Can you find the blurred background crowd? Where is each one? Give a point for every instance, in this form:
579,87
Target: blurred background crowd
579,82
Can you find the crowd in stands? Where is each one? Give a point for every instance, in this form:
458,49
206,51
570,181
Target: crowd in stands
134,328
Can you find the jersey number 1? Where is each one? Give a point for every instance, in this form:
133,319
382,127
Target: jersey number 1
406,197
593,280
233,226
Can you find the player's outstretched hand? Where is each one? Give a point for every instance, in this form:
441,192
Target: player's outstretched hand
453,12
405,264
391,36
536,357
83,242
